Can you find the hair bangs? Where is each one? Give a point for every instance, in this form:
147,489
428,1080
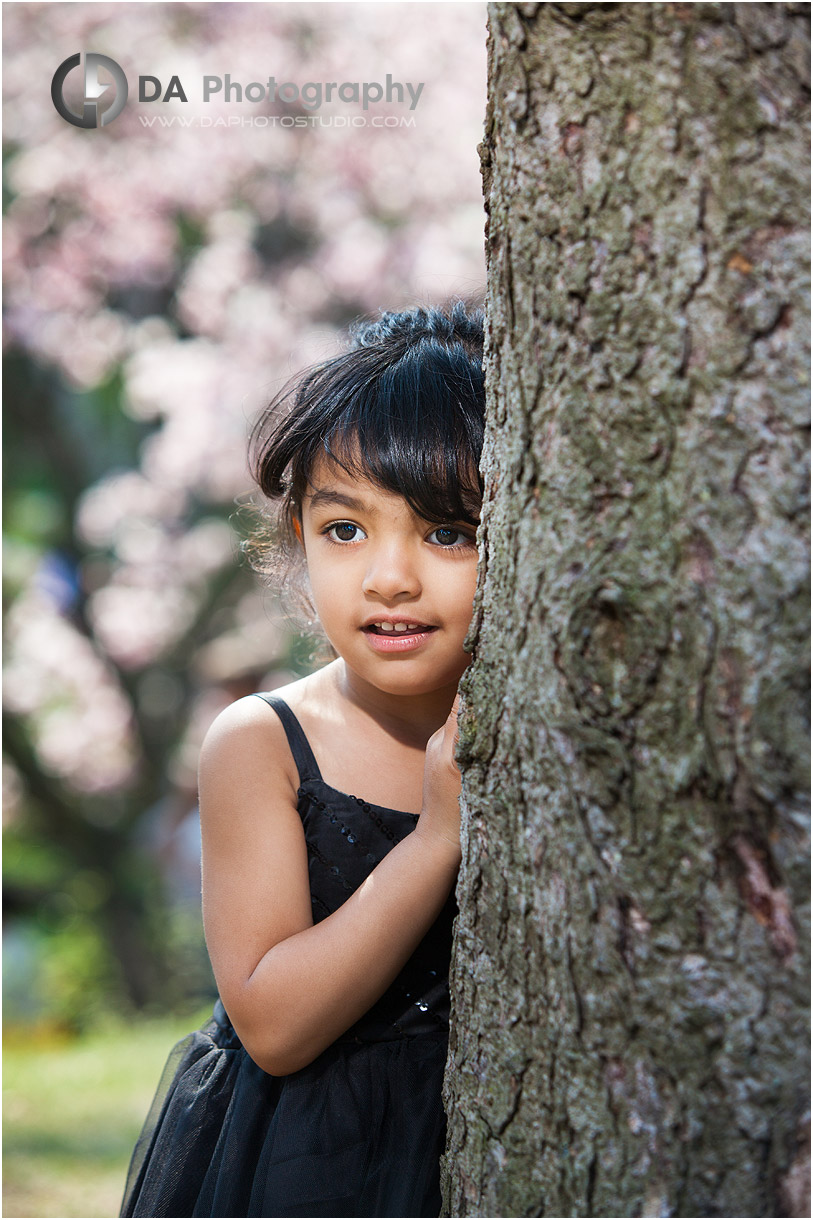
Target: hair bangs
409,432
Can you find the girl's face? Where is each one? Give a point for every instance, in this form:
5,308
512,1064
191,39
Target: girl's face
393,591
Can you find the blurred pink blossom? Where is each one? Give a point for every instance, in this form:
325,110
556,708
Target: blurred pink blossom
204,267
80,719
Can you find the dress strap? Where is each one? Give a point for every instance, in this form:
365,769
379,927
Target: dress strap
300,747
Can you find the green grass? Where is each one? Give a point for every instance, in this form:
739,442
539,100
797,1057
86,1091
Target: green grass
72,1110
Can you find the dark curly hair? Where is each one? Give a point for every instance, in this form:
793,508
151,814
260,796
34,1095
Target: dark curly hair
403,407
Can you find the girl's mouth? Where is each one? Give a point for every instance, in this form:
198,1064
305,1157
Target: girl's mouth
397,637
405,628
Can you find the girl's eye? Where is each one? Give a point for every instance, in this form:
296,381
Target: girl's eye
447,536
344,531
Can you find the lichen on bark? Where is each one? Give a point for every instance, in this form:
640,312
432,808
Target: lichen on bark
631,959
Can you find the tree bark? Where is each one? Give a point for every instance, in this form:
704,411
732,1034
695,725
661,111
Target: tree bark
630,969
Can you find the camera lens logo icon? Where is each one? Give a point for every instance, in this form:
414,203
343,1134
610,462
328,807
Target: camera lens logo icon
94,89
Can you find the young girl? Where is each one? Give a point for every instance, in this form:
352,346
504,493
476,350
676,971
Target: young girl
315,1090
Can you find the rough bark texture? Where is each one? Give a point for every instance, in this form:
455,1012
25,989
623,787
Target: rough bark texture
630,971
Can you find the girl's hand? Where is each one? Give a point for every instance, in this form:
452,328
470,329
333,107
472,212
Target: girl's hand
440,813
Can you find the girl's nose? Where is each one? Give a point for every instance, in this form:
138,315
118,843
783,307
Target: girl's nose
391,574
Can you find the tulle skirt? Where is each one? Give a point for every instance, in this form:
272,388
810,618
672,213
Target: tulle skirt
359,1132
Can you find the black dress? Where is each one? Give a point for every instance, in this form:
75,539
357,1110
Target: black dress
359,1131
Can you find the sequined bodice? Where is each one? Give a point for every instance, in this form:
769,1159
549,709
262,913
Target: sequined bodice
346,838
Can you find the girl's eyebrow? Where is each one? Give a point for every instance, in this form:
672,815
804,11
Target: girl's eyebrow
328,495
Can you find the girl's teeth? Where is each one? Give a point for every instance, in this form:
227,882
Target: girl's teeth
398,627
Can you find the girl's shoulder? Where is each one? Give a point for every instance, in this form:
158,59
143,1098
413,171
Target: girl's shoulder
248,737
245,742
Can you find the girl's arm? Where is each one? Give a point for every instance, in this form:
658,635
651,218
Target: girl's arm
291,987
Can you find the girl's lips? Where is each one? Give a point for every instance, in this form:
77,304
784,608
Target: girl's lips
405,641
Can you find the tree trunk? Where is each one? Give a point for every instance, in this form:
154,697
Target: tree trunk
630,970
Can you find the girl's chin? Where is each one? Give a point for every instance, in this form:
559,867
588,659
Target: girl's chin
407,675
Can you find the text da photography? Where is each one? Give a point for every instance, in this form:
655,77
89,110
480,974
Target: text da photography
311,95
